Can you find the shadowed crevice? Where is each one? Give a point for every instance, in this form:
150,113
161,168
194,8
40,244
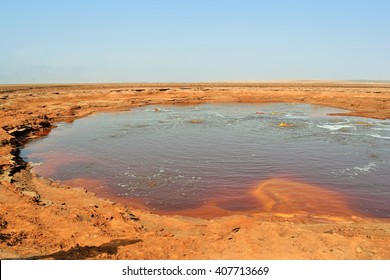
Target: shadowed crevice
87,252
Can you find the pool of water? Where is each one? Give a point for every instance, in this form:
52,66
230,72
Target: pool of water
175,158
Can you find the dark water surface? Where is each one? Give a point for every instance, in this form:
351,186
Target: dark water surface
179,157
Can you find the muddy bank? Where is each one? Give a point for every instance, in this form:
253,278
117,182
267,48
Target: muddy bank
42,219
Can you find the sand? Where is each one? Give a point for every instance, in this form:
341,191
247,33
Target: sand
42,219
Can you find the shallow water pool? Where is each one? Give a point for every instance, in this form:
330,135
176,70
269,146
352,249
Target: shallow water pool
174,158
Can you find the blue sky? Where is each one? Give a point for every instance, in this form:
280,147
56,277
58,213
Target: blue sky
177,41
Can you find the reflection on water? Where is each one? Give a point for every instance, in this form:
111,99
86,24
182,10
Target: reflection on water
176,158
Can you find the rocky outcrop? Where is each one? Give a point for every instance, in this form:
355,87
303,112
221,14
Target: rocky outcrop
12,138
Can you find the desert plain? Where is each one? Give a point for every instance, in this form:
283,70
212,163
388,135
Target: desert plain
44,219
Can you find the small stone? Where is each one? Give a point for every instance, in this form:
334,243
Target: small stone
45,202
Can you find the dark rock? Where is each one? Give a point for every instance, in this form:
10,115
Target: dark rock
21,130
45,124
236,229
3,223
133,217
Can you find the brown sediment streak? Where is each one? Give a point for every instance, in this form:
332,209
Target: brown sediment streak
87,183
55,160
207,211
284,197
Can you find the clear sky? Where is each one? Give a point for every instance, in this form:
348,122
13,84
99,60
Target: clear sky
175,41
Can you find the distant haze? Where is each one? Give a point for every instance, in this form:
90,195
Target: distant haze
190,41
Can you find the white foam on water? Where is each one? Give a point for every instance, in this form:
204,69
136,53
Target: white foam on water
157,109
357,170
334,126
360,135
175,125
218,115
366,168
381,128
293,116
378,136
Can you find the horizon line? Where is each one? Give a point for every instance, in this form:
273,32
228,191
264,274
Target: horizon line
362,81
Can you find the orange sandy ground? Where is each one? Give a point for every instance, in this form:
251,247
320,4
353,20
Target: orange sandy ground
41,219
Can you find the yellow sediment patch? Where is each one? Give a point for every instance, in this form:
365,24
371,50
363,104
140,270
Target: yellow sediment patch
285,197
282,124
196,121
